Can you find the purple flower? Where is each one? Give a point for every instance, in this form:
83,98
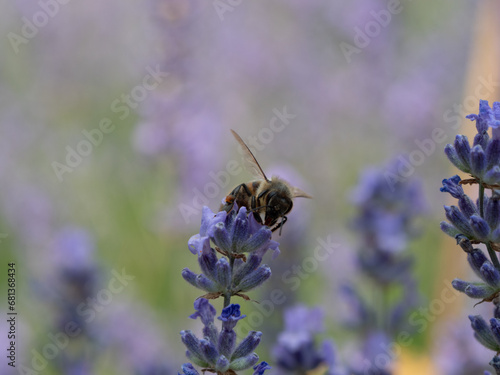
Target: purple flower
487,117
261,368
456,353
367,361
471,223
451,185
483,159
295,349
387,206
188,369
233,234
466,220
218,350
201,240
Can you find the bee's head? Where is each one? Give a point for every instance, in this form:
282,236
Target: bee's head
278,205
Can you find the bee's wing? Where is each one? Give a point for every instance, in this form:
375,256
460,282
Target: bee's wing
297,193
252,163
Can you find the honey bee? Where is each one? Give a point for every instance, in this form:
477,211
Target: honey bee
268,199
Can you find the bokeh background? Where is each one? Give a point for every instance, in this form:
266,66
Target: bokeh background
347,86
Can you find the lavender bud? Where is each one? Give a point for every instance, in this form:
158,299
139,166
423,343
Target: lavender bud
495,329
476,290
192,344
482,139
206,284
243,363
495,236
467,206
477,161
188,369
490,275
479,291
483,333
460,285
457,218
240,230
222,364
209,351
248,345
495,363
223,273
257,241
463,150
221,237
196,360
480,227
493,153
208,261
492,177
449,229
492,212
250,265
254,279
452,155
227,343
476,260
189,276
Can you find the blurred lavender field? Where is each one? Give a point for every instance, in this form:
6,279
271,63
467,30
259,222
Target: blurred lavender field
116,121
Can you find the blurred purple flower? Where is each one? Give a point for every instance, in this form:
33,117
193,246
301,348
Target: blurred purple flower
387,209
455,353
295,350
135,334
373,359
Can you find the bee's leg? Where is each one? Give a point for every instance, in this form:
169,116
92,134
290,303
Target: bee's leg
231,198
238,188
254,209
280,225
282,222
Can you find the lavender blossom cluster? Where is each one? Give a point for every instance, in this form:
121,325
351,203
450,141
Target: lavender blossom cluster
478,222
296,351
241,243
387,210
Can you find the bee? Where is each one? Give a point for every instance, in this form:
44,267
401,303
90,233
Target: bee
269,200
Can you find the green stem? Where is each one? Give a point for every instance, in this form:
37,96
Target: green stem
227,296
493,256
491,252
227,299
481,200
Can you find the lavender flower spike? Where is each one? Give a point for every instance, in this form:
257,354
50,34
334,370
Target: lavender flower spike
479,222
233,235
218,350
